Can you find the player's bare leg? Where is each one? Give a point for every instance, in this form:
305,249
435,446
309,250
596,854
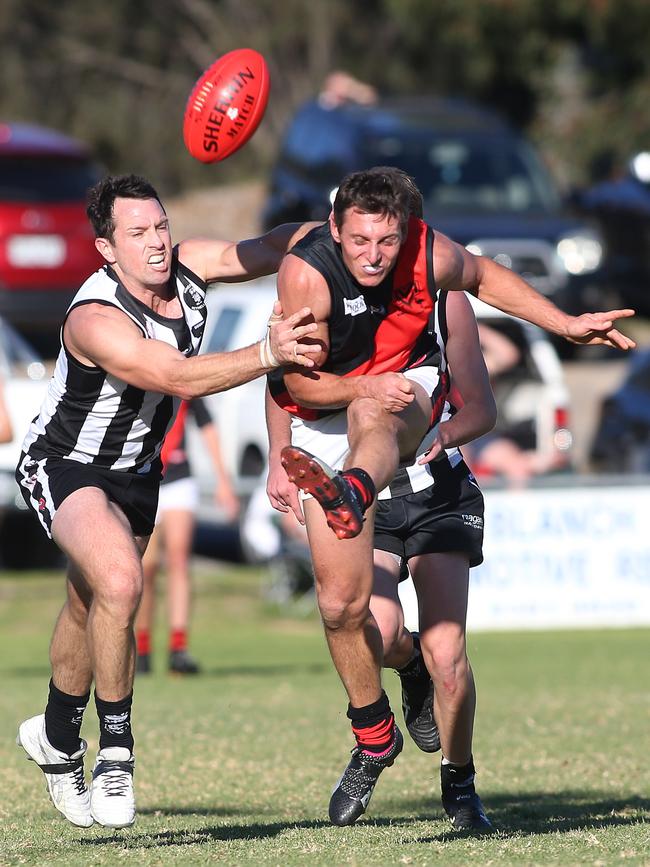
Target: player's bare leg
402,652
178,527
110,563
442,581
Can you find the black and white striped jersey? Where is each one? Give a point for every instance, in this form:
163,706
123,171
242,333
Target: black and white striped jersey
93,417
413,477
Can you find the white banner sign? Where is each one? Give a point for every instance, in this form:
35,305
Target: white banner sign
562,557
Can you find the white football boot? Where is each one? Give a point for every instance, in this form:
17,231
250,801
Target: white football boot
112,800
64,774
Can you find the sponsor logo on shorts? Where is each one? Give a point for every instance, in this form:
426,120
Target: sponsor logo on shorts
474,521
380,310
354,306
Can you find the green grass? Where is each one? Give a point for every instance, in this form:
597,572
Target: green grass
237,766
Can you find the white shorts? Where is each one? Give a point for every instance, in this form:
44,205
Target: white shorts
183,495
327,438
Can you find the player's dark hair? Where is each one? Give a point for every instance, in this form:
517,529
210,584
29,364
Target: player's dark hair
382,190
101,199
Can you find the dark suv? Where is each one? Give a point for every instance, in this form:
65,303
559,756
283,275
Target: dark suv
483,184
47,246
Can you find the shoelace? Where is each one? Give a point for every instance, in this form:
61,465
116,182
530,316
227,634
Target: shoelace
78,780
114,779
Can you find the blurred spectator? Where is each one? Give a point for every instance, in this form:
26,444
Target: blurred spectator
340,87
622,440
315,144
498,453
173,538
630,190
621,204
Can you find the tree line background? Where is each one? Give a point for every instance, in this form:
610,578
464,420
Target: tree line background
573,74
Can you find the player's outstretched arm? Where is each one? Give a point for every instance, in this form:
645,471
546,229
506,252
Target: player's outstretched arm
504,289
105,337
232,262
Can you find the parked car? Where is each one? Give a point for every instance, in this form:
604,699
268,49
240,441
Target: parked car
237,316
47,246
483,184
621,443
533,397
25,379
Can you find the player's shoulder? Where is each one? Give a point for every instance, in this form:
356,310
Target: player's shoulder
311,237
448,257
97,315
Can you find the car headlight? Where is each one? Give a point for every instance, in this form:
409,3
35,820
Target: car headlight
581,252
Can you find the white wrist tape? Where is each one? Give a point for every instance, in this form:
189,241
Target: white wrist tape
267,359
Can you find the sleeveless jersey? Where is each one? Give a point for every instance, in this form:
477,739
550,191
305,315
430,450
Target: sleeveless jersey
91,416
372,330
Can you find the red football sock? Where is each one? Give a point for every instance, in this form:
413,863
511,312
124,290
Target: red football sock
376,738
143,641
178,640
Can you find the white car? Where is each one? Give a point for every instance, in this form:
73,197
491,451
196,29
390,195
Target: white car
25,382
533,399
237,316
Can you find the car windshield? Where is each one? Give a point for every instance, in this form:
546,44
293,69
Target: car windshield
461,173
45,179
224,328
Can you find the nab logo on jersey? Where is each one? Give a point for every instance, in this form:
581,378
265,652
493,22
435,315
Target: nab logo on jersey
354,306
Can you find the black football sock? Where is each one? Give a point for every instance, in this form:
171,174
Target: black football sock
63,716
457,775
115,722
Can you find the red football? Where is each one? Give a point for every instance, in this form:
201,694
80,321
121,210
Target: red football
226,105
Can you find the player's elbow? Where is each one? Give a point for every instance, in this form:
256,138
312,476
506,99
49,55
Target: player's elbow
298,394
301,388
489,415
483,412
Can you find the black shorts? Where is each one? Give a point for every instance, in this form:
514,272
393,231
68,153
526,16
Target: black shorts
443,518
46,483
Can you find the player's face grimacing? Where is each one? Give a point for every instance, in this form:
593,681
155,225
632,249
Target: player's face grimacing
141,248
370,244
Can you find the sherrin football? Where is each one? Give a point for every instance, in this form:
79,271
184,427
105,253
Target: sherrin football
226,105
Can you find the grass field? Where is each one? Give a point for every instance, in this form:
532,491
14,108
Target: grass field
237,766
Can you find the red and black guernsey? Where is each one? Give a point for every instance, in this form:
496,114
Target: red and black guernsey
378,329
175,460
